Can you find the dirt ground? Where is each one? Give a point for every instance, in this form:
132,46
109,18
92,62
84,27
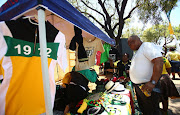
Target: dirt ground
174,104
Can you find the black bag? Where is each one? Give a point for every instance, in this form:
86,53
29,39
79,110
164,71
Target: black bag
59,103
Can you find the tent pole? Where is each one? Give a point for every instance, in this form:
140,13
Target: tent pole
44,61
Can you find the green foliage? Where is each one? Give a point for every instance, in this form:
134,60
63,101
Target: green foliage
151,10
132,31
177,31
157,33
150,35
128,30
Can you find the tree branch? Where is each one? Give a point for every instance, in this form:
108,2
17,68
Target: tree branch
104,1
93,9
104,9
170,41
117,7
129,15
108,18
91,16
115,26
112,14
121,13
123,6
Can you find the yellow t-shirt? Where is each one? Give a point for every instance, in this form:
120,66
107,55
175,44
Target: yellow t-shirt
173,55
115,63
21,92
165,65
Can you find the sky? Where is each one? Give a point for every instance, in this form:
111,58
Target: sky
174,17
2,2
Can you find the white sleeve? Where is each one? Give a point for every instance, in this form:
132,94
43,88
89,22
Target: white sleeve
62,55
177,44
151,51
3,45
1,77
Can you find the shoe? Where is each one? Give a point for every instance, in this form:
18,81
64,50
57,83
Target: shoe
173,78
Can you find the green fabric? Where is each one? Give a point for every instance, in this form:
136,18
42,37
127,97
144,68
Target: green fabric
105,54
124,74
17,47
117,102
90,75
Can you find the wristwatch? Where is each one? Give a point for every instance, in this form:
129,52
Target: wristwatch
153,82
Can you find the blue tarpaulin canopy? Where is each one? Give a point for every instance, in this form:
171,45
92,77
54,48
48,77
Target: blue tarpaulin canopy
63,16
13,9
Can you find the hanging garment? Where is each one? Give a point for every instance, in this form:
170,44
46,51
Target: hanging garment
21,91
82,56
91,48
1,73
98,58
105,55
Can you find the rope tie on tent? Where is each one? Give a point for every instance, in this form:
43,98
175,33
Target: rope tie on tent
35,38
29,18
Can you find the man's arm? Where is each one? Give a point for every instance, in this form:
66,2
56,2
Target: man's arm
157,70
168,70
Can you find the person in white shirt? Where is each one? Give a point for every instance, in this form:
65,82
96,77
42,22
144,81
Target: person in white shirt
145,70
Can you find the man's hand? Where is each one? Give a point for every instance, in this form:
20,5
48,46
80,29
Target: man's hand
148,87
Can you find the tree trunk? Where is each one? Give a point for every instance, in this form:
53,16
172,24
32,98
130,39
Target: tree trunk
118,37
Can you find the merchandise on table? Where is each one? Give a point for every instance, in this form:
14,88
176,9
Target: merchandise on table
116,104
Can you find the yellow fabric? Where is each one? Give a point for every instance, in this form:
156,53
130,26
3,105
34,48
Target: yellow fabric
128,106
115,63
173,55
1,69
165,65
27,98
83,107
66,79
170,29
1,73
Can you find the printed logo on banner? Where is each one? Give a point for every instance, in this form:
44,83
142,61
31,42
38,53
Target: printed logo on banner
23,48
